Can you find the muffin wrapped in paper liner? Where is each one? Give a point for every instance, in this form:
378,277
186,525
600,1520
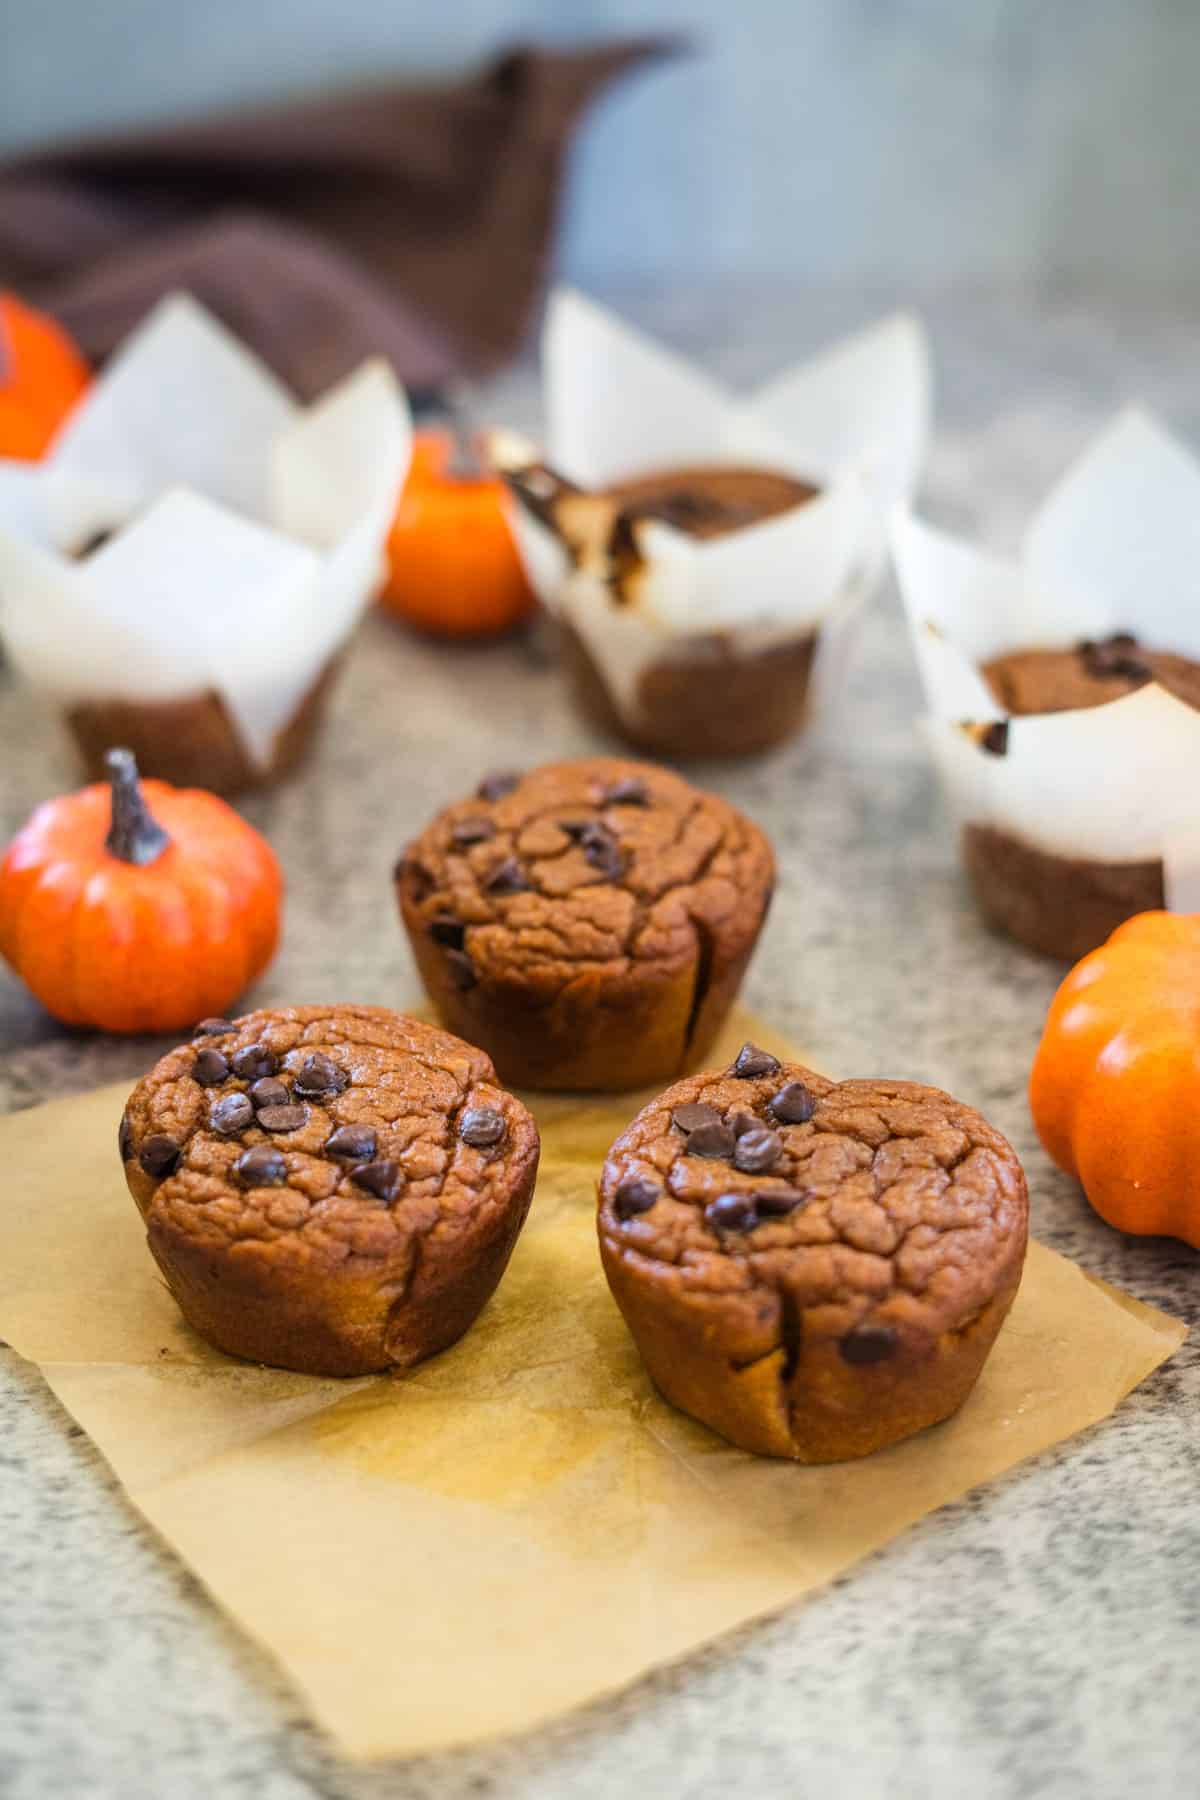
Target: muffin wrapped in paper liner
1114,547
638,591
237,536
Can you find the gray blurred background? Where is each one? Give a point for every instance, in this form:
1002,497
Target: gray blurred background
1048,142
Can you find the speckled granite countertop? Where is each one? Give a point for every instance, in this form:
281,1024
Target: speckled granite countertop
1038,1638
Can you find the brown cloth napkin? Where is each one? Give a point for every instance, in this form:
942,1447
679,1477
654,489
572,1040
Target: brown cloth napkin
412,222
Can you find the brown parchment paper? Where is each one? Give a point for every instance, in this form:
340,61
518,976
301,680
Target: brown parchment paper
520,1525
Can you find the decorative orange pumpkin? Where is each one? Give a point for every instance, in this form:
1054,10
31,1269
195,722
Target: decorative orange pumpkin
42,375
453,568
138,908
1115,1088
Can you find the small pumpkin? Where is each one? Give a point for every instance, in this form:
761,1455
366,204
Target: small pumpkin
1115,1087
453,568
42,375
136,907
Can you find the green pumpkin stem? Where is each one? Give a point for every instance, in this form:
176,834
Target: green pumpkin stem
135,835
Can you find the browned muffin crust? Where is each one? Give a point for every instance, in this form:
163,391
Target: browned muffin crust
709,500
331,1189
1063,906
813,1268
588,923
1088,674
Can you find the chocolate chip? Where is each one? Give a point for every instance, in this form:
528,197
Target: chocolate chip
213,1028
471,831
757,1151
1112,656
732,1212
160,1154
793,1104
773,1203
262,1166
687,1118
576,828
752,1062
508,878
602,851
282,1118
210,1068
230,1114
270,1091
355,1143
635,1195
462,969
498,783
255,1061
710,1140
125,1139
319,1075
629,791
481,1127
448,931
995,738
383,1179
868,1344
742,1122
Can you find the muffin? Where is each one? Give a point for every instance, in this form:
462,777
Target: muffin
815,1269
588,922
687,693
333,1189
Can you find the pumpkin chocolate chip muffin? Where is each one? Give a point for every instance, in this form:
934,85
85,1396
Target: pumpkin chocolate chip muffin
589,922
331,1189
813,1268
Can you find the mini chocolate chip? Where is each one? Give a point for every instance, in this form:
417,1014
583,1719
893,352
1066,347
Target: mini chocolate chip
793,1104
210,1068
742,1122
508,878
356,1143
757,1151
262,1166
481,1127
629,791
213,1028
125,1139
498,783
471,831
230,1114
576,828
752,1062
383,1179
773,1203
687,1118
869,1344
462,969
255,1061
603,852
319,1075
282,1118
995,738
160,1154
635,1195
448,931
732,1212
710,1140
270,1091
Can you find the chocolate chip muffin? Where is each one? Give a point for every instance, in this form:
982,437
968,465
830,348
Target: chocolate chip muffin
589,922
330,1189
813,1268
1087,674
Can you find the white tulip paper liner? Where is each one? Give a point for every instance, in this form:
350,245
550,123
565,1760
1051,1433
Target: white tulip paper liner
1114,547
247,532
853,422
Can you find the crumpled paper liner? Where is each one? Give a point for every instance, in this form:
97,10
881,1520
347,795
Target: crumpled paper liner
520,1525
1114,547
247,532
852,421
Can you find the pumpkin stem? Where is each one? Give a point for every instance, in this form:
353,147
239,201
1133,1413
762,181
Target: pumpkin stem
465,463
135,835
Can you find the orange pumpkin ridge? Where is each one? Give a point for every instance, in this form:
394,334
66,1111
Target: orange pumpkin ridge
1115,1084
138,907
